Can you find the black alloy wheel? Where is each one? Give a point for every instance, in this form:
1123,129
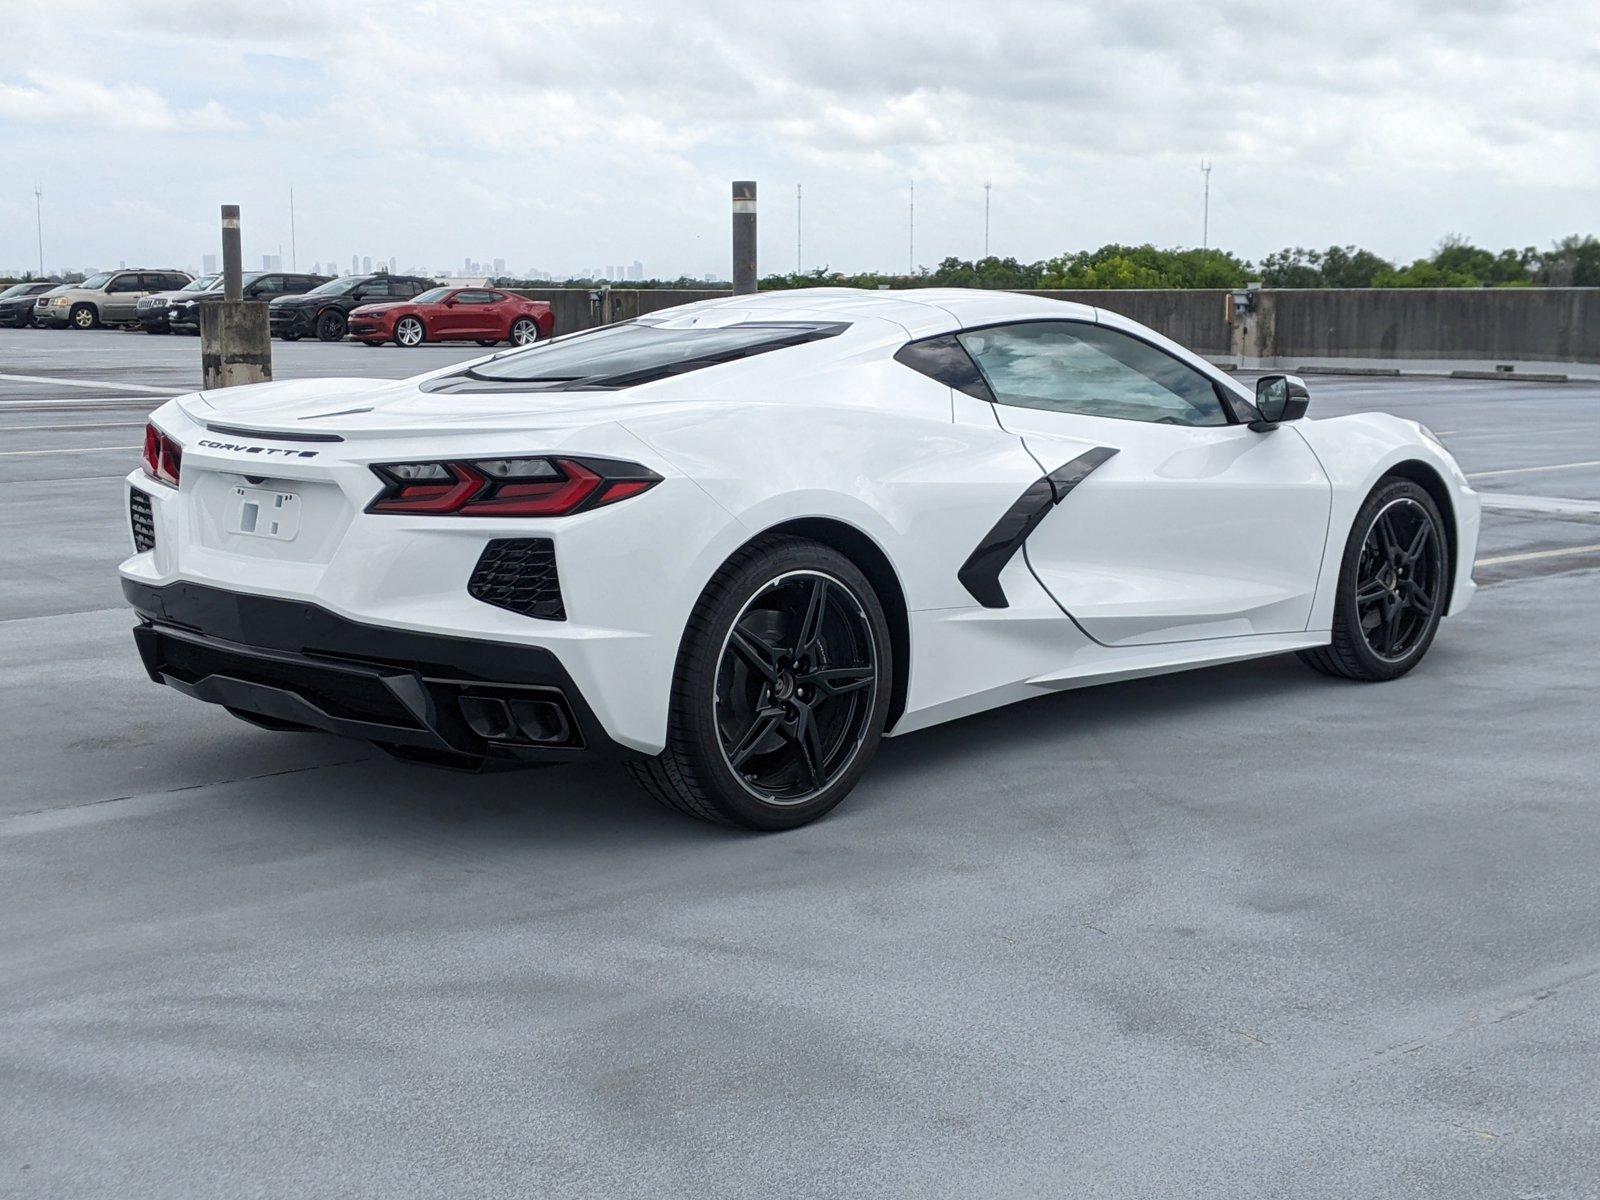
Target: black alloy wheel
1393,585
330,325
795,687
782,690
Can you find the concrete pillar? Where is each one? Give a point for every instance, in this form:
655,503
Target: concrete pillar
744,237
235,339
232,255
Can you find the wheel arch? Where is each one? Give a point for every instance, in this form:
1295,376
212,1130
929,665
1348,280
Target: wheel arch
867,555
1429,480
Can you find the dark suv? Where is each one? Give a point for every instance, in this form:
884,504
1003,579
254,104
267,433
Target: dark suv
183,314
325,311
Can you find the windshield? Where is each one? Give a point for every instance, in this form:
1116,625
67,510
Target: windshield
18,289
96,281
637,352
337,287
204,284
433,296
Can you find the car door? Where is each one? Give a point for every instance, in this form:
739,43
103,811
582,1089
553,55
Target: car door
478,310
266,287
122,296
1182,523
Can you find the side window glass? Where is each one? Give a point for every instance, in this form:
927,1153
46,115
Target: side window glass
1074,367
475,297
125,283
269,285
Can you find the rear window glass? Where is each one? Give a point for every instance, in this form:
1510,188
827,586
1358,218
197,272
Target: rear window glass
634,352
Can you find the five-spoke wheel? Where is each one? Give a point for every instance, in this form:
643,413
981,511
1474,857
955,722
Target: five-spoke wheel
408,331
1393,582
782,689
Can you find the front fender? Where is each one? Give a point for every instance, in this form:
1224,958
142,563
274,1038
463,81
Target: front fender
1359,450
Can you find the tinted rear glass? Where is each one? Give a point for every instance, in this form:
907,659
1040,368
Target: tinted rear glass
638,352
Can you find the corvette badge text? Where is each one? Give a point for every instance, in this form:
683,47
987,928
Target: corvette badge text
267,450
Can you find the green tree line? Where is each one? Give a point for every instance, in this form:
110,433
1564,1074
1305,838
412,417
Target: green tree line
1455,262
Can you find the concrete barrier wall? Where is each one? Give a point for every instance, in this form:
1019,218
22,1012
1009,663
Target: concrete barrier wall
1508,324
1528,324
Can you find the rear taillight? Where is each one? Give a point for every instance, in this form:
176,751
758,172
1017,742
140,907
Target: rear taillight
162,459
508,487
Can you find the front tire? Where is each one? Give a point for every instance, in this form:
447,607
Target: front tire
331,325
83,316
1394,581
408,332
781,690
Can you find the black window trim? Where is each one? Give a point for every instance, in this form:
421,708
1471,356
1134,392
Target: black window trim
1236,409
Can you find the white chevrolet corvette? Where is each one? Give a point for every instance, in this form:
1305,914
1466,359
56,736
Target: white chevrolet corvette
737,542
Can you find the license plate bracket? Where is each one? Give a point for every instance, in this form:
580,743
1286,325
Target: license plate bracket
266,513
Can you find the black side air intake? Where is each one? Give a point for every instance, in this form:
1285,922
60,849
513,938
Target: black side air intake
519,574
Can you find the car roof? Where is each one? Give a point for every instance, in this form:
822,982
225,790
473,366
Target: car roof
920,311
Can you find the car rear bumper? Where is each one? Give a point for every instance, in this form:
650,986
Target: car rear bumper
287,664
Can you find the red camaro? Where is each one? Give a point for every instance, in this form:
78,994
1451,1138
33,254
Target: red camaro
449,314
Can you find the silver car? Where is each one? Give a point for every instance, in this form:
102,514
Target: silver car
109,298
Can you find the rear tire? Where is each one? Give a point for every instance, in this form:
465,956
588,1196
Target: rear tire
1394,581
331,325
524,331
785,670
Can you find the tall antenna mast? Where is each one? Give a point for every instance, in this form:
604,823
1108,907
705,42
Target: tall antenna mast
38,222
294,256
986,188
1205,220
798,258
911,231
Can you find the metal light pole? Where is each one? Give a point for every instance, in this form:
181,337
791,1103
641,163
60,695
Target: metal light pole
1205,220
911,230
744,237
38,222
986,188
294,254
798,258
232,255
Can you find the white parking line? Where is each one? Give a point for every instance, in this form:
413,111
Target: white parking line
1564,552
90,383
1552,504
68,450
1572,466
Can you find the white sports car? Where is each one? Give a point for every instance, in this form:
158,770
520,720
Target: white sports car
737,542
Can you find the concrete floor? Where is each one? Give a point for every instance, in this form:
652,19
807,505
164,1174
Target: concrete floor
1247,932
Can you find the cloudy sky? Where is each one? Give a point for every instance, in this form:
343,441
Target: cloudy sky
565,135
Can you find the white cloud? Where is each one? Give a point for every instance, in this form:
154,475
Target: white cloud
49,97
563,134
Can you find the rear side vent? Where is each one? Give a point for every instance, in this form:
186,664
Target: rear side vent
519,574
142,520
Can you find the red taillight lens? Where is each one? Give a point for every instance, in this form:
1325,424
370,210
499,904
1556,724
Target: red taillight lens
162,459
508,487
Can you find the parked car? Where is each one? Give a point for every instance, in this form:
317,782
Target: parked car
450,314
256,285
155,310
17,301
736,542
325,311
109,298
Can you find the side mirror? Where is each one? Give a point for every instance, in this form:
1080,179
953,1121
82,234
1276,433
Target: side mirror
1280,398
